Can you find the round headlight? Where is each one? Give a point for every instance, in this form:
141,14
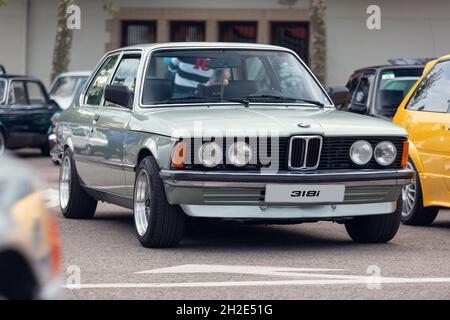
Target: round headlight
210,154
239,153
361,152
385,153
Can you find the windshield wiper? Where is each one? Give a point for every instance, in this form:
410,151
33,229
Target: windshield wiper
289,99
205,99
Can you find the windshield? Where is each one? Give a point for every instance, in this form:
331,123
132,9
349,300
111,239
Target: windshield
2,90
226,75
65,87
393,86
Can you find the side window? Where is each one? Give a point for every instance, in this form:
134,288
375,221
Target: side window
2,90
126,73
362,92
432,94
35,93
353,82
17,93
94,94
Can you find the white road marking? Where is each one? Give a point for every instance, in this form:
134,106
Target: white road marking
361,281
322,278
216,268
52,197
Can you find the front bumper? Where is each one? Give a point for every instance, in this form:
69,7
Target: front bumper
242,194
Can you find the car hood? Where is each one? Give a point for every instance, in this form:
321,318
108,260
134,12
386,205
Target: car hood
280,120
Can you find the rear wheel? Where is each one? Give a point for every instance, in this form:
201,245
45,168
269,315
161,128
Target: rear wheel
158,224
45,149
414,213
75,203
375,229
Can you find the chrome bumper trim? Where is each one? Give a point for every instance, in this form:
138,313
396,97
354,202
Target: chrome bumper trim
216,179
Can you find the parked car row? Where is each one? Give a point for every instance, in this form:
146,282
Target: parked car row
129,136
415,97
28,112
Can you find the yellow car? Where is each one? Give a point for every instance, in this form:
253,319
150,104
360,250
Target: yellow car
425,114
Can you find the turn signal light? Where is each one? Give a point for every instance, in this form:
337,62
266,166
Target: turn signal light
405,153
178,155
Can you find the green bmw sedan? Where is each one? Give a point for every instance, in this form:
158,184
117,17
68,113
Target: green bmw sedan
244,132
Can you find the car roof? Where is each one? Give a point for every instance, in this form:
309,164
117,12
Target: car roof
18,77
180,45
391,66
75,74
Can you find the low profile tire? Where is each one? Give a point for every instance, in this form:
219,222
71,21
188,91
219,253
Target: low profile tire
158,224
2,143
75,203
414,213
375,229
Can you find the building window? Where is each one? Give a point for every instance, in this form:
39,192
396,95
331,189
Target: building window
183,31
292,35
232,31
138,32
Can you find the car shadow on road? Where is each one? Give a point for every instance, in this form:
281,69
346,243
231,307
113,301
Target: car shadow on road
204,235
26,153
233,235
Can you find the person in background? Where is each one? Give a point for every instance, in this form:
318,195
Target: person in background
188,73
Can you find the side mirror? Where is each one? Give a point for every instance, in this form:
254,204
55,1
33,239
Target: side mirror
119,95
339,95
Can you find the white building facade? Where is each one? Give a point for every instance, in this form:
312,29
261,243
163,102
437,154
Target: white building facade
409,28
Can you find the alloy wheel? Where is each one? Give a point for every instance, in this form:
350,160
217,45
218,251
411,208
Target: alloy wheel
409,195
64,183
142,202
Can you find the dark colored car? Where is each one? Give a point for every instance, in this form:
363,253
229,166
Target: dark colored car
378,91
25,112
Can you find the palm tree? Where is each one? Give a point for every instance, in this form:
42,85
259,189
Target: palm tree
318,52
63,40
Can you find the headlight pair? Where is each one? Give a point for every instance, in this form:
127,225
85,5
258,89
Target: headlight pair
361,152
239,154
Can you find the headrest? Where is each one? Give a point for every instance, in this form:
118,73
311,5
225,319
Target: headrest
390,99
157,90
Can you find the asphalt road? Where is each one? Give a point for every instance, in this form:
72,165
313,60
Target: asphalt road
229,261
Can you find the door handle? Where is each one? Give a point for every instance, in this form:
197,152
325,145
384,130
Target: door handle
96,117
446,126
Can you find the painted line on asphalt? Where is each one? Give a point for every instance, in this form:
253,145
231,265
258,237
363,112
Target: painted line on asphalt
259,283
372,280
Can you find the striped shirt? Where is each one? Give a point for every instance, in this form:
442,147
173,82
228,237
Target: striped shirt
189,72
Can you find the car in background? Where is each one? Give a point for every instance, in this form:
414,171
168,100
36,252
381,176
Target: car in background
377,91
25,113
425,114
29,240
52,135
146,103
66,85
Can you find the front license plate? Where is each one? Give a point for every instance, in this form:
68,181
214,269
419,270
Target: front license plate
304,193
